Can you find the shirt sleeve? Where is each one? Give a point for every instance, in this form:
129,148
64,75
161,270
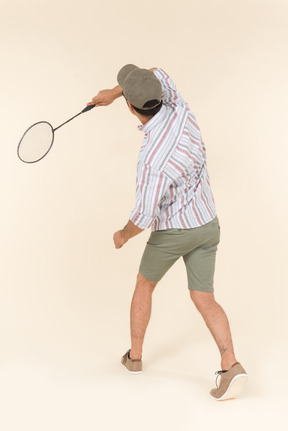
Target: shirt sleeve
170,95
151,186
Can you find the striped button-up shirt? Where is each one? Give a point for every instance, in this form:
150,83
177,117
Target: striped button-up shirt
172,188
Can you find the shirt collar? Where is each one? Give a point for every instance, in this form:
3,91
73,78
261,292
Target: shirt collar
155,120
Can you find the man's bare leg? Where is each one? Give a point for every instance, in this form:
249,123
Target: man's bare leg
213,314
217,322
140,314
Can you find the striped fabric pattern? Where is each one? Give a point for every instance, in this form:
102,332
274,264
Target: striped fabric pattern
172,187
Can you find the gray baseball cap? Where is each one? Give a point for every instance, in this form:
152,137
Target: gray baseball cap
139,86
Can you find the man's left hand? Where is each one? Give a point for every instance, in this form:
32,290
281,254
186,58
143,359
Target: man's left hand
119,239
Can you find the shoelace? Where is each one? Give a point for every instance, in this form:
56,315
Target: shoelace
219,374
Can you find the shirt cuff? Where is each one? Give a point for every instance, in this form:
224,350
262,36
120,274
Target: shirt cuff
140,220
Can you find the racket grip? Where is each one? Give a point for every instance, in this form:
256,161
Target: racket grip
88,108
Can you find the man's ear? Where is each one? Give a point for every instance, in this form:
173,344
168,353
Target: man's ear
132,110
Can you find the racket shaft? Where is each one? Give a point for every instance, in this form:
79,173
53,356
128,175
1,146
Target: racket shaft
70,119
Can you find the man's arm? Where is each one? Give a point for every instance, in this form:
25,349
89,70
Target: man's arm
122,236
170,94
143,214
106,97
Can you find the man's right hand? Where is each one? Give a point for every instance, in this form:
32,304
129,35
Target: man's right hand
106,97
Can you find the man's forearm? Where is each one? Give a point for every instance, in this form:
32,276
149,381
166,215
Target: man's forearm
117,91
105,97
122,236
131,230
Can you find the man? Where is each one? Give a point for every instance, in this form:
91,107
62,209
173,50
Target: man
174,198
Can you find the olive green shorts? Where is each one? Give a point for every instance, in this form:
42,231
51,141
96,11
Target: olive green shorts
197,246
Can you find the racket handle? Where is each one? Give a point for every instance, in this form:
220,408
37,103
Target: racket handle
87,108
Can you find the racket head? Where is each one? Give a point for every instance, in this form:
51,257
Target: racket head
36,142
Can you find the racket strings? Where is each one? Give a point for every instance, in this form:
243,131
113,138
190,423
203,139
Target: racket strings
36,142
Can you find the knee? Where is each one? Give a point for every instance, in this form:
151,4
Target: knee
142,282
202,299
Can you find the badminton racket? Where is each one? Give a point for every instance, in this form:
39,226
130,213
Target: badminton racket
38,139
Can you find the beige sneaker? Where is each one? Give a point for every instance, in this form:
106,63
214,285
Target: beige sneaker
231,383
134,366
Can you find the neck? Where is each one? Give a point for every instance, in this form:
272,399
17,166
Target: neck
143,118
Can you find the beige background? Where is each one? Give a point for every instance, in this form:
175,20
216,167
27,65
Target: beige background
65,290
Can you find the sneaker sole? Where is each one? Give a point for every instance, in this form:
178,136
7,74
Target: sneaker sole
131,372
235,387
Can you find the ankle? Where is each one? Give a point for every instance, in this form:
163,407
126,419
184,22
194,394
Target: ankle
134,354
227,364
228,359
